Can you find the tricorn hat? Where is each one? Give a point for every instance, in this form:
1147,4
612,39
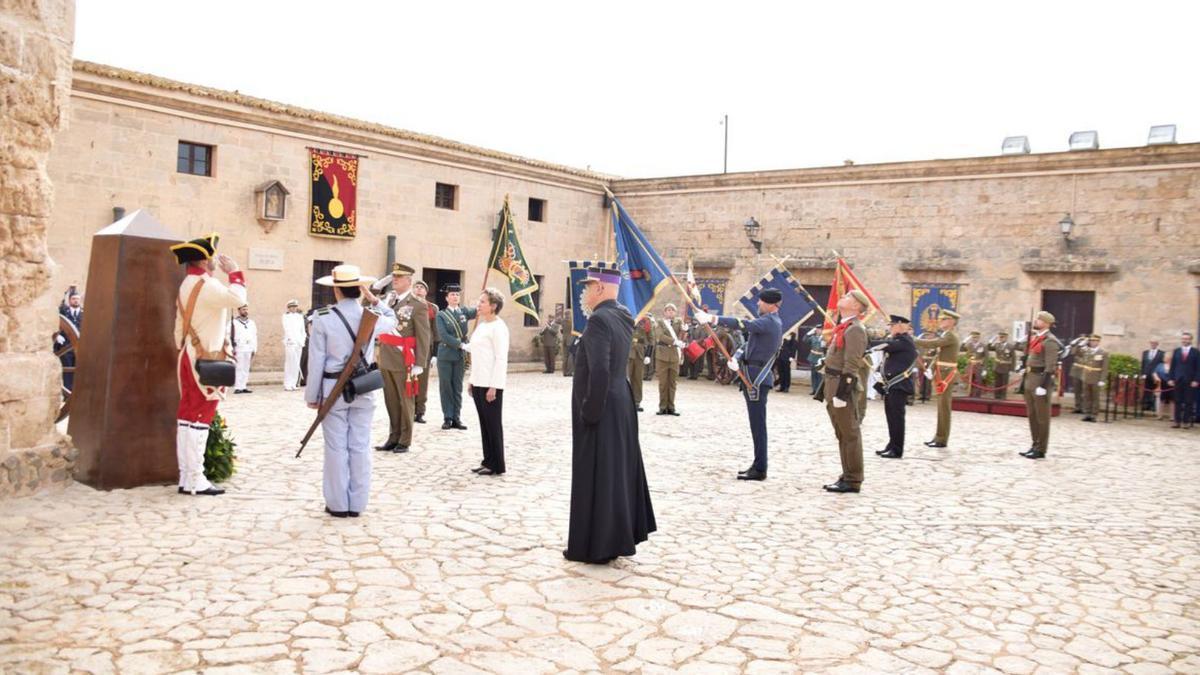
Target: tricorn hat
346,275
771,296
196,250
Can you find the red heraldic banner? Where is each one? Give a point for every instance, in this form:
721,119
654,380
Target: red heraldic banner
334,192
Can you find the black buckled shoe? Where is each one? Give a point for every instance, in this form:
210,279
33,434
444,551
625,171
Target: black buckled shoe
1036,454
337,514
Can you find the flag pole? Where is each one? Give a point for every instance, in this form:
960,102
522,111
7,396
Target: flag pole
688,299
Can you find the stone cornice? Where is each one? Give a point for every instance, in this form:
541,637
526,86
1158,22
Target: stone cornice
107,82
1161,157
920,265
801,264
1069,267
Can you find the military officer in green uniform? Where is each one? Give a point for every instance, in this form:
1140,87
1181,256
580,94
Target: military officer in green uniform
944,370
1094,375
402,353
1075,352
668,353
1005,361
977,351
452,333
638,359
847,346
548,338
421,290
1041,360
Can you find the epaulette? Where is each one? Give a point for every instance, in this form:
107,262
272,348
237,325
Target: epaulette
325,310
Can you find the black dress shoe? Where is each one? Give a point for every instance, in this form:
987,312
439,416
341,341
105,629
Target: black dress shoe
1037,454
1028,452
891,454
664,412
210,492
746,471
934,444
478,469
884,451
639,408
458,425
400,449
390,445
1176,426
337,514
247,391
447,424
672,413
484,471
1089,418
840,487
352,514
419,419
753,474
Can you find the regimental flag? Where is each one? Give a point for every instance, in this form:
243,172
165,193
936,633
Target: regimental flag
797,304
845,281
644,275
712,294
928,301
578,271
508,259
334,194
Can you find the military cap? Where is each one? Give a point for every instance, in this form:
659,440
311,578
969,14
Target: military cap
402,270
896,318
452,288
950,314
860,298
771,296
196,250
293,303
1094,336
975,332
1046,317
1002,333
421,283
670,305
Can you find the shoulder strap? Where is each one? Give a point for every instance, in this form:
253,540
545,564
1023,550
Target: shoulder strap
187,314
353,336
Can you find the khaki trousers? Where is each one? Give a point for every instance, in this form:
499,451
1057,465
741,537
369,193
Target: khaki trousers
1001,385
637,370
1037,409
668,377
943,422
846,423
401,409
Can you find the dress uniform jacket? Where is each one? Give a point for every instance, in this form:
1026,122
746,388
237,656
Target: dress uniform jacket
1041,361
667,358
400,390
899,356
757,359
1093,375
452,330
945,370
977,351
845,351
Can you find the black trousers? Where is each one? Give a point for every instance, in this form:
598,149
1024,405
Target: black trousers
1185,402
757,412
893,406
491,427
783,369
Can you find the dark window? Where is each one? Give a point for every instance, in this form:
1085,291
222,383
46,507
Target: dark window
322,295
195,159
437,280
1074,312
445,196
531,321
537,210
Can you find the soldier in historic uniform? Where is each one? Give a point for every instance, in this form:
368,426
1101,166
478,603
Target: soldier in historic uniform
1005,362
243,335
346,429
421,290
638,359
1041,360
549,337
900,356
668,352
1077,353
452,332
1094,375
757,359
402,353
847,345
205,306
944,368
977,351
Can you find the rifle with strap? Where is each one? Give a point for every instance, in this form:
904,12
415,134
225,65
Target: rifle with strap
366,328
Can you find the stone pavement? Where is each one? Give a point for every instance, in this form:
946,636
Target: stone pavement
969,559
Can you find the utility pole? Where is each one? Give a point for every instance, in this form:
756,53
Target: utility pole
725,167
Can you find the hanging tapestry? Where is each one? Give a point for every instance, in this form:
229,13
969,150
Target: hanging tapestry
334,189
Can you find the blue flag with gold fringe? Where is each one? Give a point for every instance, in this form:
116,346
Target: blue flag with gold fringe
643,273
797,304
578,271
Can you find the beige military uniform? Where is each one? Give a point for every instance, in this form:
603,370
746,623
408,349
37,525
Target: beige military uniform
1094,376
1006,360
842,375
412,320
1041,361
637,364
945,371
977,351
667,359
1075,351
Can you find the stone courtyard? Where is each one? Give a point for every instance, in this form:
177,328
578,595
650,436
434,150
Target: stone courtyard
969,559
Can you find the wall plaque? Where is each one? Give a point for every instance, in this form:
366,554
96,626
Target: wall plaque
265,259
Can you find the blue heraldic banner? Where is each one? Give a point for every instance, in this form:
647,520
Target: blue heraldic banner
797,304
644,275
928,301
578,270
712,294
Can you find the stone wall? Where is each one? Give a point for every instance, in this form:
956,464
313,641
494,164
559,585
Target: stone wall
990,224
120,150
35,80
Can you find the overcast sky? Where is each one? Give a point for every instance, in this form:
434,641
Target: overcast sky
639,89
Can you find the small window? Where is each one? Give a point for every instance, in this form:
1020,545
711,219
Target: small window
531,322
445,196
537,210
195,159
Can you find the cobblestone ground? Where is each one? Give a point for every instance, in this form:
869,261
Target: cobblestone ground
969,559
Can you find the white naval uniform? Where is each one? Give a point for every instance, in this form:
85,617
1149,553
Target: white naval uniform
245,344
347,427
294,337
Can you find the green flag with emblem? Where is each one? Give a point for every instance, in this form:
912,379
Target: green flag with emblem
508,259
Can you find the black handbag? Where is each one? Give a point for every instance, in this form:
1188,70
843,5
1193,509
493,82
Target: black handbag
212,372
363,378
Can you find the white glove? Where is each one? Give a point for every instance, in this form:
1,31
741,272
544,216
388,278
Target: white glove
466,347
1040,391
433,360
838,403
982,375
59,339
733,365
928,374
680,344
705,317
1100,383
417,370
646,360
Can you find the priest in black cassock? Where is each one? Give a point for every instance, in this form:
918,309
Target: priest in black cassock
610,500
